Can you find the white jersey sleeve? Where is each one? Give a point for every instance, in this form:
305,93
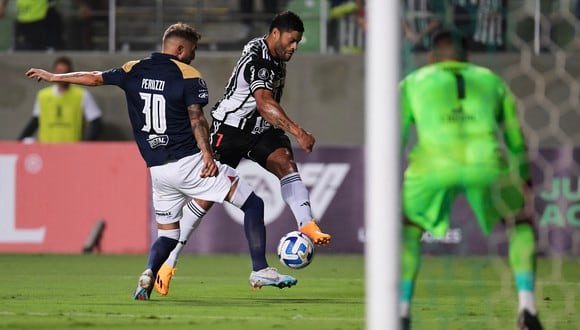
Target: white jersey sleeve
90,108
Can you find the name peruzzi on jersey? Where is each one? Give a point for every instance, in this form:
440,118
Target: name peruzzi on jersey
152,84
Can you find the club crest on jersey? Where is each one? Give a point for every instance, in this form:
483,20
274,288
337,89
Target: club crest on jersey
264,74
157,140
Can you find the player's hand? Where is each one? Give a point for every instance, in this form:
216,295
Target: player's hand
38,74
305,140
209,168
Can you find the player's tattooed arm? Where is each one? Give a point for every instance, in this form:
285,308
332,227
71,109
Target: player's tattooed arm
200,128
85,78
271,110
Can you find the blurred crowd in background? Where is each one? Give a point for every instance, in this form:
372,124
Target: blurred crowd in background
332,26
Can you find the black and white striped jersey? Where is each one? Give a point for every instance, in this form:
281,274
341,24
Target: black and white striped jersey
489,29
254,70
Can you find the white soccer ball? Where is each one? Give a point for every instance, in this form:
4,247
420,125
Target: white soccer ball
295,250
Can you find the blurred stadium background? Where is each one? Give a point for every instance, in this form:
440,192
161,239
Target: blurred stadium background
538,56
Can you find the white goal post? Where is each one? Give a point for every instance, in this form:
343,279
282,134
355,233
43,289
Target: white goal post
382,154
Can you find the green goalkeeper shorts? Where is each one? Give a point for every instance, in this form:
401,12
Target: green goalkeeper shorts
428,196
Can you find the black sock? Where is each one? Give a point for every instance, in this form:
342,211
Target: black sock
159,252
255,230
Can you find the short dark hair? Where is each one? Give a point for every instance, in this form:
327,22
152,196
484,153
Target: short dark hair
183,31
63,60
447,37
287,21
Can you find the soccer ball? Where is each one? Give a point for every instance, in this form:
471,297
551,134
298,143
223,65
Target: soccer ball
295,250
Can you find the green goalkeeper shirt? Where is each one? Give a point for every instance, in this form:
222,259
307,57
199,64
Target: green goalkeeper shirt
459,111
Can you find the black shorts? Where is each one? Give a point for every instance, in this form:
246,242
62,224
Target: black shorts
231,144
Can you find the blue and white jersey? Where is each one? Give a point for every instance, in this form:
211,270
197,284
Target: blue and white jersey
254,70
159,90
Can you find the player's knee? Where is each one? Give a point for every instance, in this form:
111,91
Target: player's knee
205,205
253,202
524,222
408,222
241,193
281,163
174,224
524,217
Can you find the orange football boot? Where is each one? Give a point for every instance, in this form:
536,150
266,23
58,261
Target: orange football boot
163,279
312,230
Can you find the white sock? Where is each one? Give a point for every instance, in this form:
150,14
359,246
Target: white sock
527,301
295,194
191,217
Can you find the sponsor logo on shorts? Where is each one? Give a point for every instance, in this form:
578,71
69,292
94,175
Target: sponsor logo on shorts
157,140
261,126
163,213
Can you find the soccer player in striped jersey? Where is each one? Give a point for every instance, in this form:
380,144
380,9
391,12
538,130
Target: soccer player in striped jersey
165,99
248,122
459,110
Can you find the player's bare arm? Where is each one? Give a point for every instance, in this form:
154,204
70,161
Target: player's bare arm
200,128
85,78
275,115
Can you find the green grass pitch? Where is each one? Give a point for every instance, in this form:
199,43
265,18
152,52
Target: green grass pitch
211,292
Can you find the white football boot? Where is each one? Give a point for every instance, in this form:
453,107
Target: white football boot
270,277
144,286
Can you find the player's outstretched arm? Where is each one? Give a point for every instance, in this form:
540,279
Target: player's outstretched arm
85,78
275,115
200,128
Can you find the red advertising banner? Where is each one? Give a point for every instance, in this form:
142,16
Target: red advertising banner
51,196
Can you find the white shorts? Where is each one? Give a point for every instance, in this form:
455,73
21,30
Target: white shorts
175,183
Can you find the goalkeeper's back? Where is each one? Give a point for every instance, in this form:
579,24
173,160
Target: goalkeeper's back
458,109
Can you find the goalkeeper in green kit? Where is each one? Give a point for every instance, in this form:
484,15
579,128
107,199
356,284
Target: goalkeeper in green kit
460,110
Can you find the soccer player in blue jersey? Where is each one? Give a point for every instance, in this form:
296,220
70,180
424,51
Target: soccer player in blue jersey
249,122
165,99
